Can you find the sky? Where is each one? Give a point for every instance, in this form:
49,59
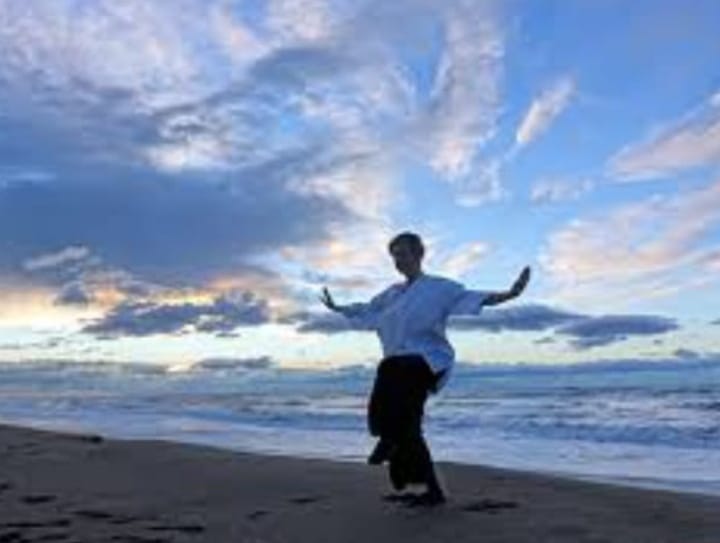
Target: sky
180,178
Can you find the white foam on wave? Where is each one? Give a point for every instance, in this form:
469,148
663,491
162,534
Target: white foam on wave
638,424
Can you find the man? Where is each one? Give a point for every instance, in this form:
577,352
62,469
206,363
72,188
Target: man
410,319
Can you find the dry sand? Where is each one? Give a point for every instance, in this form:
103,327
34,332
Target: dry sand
79,488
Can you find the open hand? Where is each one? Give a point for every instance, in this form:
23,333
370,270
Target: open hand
521,282
327,300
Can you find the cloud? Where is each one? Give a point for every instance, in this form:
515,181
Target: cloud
687,354
584,331
463,259
691,142
607,329
482,186
560,190
465,107
234,364
165,229
529,318
164,160
635,250
526,318
69,254
80,278
544,110
465,103
711,260
44,344
224,314
168,185
322,323
74,294
61,43
300,19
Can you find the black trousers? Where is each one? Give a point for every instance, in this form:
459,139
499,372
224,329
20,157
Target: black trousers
395,413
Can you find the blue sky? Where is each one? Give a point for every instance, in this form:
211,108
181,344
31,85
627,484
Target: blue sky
178,179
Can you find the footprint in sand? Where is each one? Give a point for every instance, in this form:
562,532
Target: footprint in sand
58,523
93,514
255,515
111,518
31,449
489,506
186,528
50,537
12,537
126,519
570,531
34,499
132,538
301,500
91,439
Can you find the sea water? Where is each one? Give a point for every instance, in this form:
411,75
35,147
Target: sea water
645,424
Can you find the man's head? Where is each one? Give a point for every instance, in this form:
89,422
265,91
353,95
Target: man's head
407,251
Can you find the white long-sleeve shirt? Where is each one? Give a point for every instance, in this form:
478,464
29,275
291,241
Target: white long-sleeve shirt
411,319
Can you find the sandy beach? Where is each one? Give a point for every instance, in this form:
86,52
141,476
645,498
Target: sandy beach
84,488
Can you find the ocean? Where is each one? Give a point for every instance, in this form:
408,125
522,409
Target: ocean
644,424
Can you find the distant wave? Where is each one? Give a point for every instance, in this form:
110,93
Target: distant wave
265,363
590,366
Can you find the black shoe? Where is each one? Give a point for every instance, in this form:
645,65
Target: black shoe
427,499
381,452
400,497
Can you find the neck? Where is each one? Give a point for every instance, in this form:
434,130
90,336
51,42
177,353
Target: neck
410,277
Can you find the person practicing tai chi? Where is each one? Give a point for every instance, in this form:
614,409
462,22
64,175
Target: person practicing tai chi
410,318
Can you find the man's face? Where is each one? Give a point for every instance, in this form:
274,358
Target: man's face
406,261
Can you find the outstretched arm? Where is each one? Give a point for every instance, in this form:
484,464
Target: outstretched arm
363,315
495,298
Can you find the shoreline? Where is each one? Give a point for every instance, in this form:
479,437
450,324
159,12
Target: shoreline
84,487
700,488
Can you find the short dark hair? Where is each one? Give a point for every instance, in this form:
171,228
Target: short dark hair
412,240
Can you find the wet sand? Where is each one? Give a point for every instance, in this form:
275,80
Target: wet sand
81,488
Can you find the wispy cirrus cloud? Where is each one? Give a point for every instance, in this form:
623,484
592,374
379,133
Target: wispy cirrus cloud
560,190
544,110
464,258
465,107
633,251
691,142
52,260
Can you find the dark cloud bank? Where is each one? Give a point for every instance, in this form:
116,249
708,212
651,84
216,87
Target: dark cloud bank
222,316
582,331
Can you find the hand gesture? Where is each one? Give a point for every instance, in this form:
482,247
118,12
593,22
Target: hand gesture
327,300
521,282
